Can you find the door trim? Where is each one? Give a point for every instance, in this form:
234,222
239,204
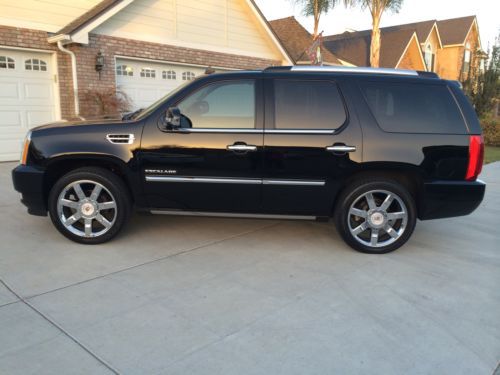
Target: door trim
248,181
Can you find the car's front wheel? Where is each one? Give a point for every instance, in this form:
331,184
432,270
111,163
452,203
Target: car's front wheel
89,205
375,217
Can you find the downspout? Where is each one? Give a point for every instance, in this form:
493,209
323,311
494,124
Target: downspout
75,79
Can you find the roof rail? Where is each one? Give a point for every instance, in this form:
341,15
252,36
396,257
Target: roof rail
343,69
349,69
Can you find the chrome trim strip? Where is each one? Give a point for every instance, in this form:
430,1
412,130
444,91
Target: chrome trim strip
218,130
252,131
293,182
227,214
247,181
297,131
349,69
241,147
205,180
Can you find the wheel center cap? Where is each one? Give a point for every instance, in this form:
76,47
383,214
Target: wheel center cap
87,209
377,218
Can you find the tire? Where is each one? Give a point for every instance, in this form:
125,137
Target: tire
89,205
371,222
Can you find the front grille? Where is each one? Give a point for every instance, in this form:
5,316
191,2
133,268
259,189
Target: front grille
121,138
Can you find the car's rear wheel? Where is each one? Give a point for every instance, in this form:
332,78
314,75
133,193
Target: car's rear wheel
375,217
89,205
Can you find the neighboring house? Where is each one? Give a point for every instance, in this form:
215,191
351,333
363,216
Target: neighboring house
50,52
462,50
447,47
297,40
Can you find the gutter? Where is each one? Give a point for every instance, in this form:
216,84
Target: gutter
74,76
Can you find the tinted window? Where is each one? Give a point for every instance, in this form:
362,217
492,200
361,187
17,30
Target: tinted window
414,108
308,105
228,104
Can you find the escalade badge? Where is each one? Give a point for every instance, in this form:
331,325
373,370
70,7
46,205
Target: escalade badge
160,171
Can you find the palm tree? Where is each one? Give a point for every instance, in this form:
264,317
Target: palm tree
377,8
316,8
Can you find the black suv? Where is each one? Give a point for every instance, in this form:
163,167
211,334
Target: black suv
374,149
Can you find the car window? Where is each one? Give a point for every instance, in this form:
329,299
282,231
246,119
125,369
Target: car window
308,105
229,104
414,108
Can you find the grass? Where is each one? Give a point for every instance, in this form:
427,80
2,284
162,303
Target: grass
491,154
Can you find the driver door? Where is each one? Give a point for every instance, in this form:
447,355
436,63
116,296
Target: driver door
213,161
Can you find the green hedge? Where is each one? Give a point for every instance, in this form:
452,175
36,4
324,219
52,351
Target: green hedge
491,131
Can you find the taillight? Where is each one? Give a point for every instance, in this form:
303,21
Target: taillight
476,155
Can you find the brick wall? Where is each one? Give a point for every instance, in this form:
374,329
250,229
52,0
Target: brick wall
90,81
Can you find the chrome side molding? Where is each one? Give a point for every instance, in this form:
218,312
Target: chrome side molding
341,148
245,181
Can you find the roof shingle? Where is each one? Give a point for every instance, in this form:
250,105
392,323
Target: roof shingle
296,40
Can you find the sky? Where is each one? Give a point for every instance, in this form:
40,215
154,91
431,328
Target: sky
340,19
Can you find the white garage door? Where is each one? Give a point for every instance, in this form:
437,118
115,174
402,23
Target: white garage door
26,97
145,82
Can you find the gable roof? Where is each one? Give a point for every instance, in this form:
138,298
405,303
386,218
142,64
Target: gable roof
354,47
455,30
78,29
296,40
88,16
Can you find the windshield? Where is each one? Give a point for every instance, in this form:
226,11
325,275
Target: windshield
147,111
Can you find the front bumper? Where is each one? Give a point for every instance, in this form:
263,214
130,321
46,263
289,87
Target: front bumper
28,181
441,199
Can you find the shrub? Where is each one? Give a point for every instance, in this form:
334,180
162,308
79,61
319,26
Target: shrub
108,103
491,131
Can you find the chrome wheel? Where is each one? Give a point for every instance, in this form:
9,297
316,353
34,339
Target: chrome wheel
377,218
86,208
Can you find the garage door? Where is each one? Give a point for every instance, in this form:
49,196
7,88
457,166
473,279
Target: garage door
145,82
26,97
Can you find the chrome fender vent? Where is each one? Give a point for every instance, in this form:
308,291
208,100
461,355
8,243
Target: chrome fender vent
127,139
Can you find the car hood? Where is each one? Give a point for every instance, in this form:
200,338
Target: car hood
68,124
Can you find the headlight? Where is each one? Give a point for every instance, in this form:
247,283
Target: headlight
26,146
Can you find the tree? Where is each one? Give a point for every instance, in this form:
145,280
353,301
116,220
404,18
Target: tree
483,87
316,8
376,8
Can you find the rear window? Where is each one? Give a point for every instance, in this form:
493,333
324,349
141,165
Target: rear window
414,108
308,105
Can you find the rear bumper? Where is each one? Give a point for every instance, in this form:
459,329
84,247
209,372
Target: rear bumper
441,199
29,182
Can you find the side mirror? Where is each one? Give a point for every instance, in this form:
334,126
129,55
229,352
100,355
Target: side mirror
173,118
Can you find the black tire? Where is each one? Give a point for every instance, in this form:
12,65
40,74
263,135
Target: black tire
113,189
355,194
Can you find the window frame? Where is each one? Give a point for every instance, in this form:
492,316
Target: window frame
9,61
147,73
169,75
41,64
271,107
123,69
258,107
188,75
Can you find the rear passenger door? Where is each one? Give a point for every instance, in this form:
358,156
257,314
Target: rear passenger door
309,143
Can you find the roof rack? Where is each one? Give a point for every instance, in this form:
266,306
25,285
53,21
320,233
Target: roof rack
343,69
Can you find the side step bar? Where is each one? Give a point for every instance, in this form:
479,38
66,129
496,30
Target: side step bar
230,214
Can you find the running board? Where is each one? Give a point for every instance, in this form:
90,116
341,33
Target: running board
228,214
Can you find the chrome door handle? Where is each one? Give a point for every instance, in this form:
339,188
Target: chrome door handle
242,147
341,148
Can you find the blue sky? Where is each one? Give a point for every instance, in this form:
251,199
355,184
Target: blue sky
340,19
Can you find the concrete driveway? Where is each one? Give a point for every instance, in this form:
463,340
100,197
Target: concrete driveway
178,295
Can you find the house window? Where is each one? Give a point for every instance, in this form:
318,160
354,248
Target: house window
429,58
124,70
169,74
187,76
467,58
7,62
35,64
148,73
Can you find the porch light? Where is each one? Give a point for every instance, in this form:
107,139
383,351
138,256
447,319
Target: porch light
99,62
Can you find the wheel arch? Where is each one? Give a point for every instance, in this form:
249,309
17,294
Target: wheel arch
62,165
408,175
